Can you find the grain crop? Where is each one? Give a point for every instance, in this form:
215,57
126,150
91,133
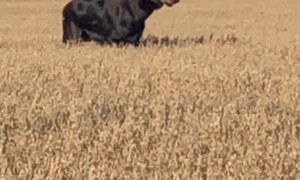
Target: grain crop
212,93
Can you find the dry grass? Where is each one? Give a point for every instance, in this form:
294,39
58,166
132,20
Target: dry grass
186,106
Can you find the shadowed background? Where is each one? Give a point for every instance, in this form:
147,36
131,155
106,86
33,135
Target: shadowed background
214,94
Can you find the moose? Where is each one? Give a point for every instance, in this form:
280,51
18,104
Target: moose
108,21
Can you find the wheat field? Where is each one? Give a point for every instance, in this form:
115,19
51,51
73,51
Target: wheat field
213,93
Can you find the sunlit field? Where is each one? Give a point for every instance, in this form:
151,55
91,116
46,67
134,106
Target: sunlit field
213,92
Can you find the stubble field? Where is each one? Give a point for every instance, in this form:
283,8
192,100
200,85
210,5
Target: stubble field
221,103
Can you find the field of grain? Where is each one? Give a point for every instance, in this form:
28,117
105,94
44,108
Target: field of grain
213,94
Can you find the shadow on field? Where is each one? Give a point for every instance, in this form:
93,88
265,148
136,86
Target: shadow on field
167,41
152,40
